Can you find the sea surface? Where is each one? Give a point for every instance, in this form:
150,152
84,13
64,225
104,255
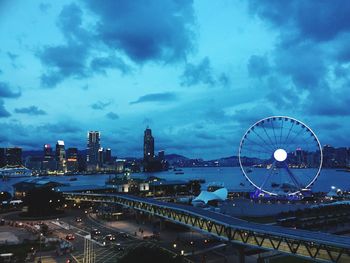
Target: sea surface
231,177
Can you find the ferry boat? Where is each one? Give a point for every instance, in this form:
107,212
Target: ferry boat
178,171
14,172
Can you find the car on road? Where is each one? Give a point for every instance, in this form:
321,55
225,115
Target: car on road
119,247
70,237
78,219
95,232
110,237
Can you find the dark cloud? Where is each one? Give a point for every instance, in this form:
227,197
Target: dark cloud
112,116
161,32
156,97
309,62
6,91
317,20
146,31
328,103
70,22
61,128
67,60
303,62
249,115
3,112
100,105
63,61
281,96
198,74
100,64
31,110
341,48
258,66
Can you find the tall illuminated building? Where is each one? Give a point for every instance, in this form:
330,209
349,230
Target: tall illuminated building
49,163
12,156
61,157
93,145
148,145
72,160
100,157
108,156
47,151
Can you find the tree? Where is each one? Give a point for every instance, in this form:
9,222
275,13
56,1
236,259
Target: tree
43,201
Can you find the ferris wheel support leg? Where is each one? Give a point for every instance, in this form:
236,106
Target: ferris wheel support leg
268,177
294,179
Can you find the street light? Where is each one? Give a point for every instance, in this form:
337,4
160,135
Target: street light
174,245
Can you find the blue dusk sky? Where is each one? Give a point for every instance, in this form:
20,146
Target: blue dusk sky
198,73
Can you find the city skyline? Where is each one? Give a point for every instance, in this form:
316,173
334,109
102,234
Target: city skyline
70,67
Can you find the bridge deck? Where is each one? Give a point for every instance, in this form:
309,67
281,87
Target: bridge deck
310,236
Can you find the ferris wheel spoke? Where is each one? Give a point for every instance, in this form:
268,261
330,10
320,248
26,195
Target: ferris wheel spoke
267,150
257,151
268,136
273,130
272,150
281,132
290,129
296,136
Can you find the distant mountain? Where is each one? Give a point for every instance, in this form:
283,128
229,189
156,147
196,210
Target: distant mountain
175,158
228,161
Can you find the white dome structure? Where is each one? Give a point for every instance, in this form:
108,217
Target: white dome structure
205,196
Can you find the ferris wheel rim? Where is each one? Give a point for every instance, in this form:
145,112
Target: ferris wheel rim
297,121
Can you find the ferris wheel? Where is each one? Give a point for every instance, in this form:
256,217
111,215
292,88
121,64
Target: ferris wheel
280,155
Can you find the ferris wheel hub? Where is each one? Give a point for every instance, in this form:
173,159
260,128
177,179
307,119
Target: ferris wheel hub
280,155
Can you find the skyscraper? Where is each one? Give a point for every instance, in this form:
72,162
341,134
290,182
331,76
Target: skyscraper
93,145
148,145
2,157
72,160
100,157
108,156
49,163
161,155
14,156
47,151
61,156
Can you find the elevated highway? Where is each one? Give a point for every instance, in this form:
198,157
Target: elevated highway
318,246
